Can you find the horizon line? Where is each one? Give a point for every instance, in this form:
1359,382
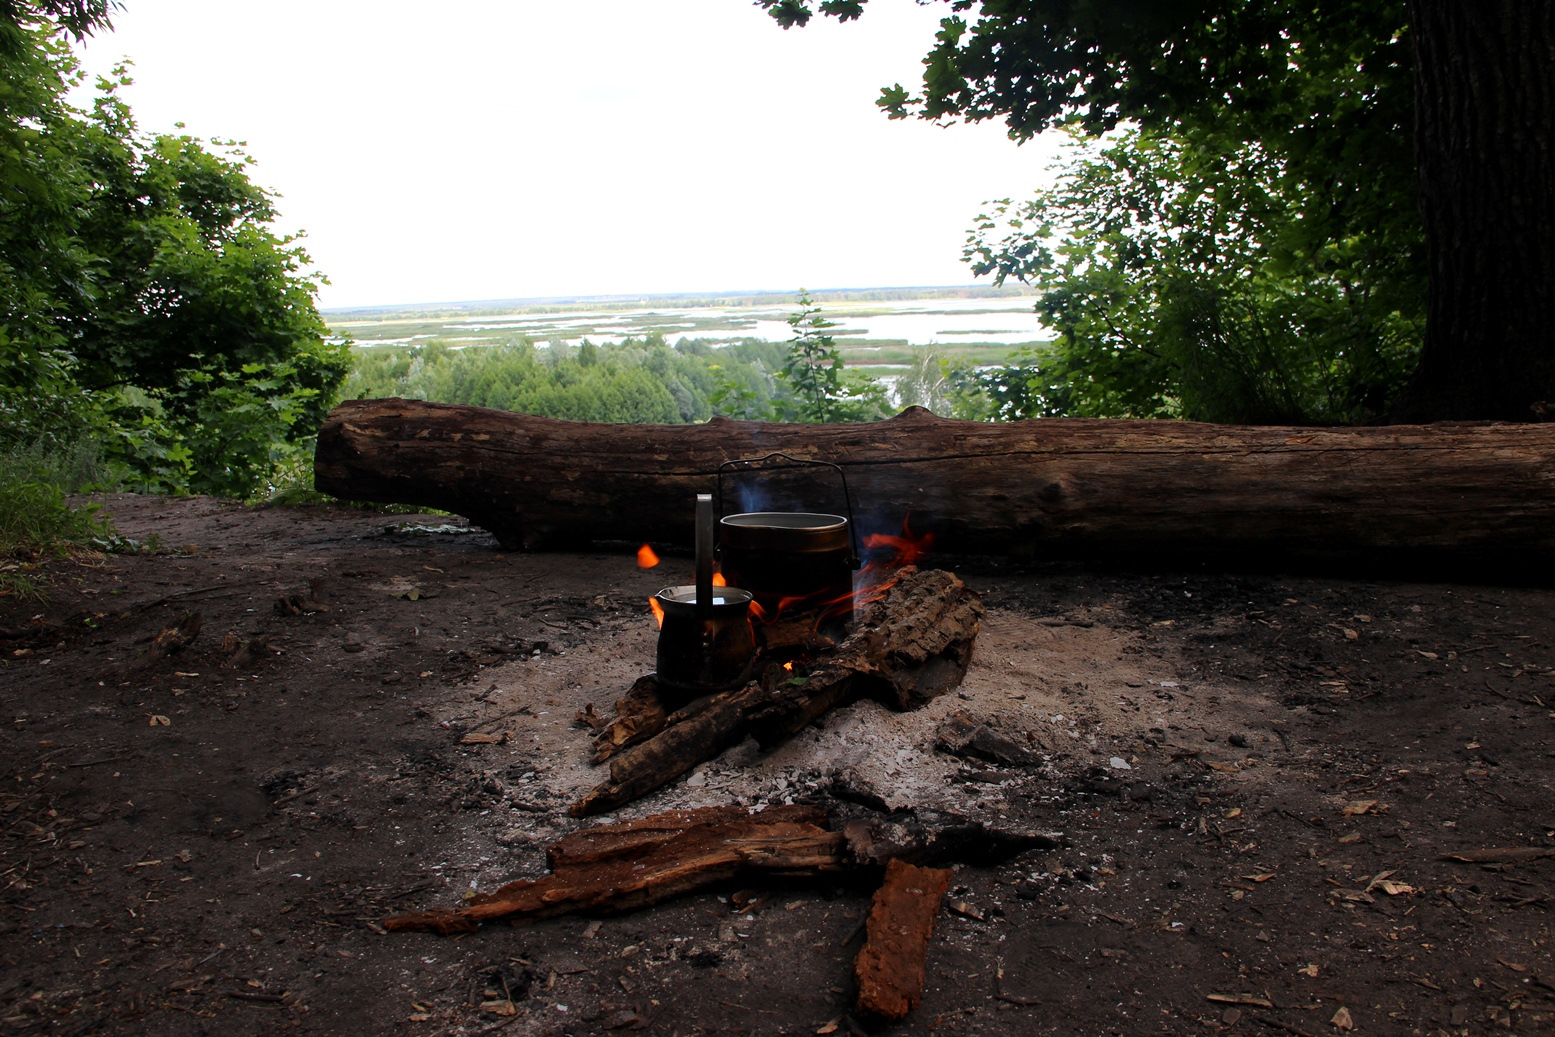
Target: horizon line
647,297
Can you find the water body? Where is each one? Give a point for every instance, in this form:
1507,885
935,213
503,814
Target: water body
1005,321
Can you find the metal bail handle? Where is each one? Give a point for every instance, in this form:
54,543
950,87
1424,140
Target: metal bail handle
847,498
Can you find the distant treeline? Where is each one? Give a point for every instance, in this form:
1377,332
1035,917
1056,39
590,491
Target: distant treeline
641,380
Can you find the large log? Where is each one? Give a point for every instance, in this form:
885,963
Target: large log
1443,497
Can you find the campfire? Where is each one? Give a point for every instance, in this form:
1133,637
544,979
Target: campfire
780,625
730,666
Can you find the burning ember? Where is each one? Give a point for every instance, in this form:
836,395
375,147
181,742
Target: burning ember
874,580
646,558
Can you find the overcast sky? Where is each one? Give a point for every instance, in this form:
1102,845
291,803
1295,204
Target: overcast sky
484,149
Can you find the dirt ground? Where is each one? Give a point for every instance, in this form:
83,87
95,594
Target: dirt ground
1259,782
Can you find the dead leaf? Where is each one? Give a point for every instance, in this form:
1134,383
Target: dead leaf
1342,1020
1427,655
1260,878
1394,889
158,720
476,738
1224,768
503,1007
1513,965
1237,812
830,1027
419,1017
1353,837
1240,999
1309,971
1357,807
1351,635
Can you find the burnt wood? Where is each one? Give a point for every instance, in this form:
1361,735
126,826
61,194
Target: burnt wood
911,645
1469,497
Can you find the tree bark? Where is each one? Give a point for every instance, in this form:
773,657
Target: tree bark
1436,501
1485,144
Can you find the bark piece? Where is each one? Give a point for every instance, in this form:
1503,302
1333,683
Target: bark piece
624,867
890,967
1469,497
639,715
961,734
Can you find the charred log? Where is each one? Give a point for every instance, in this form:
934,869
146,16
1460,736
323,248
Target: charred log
910,646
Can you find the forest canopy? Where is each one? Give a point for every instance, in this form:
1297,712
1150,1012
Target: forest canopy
147,306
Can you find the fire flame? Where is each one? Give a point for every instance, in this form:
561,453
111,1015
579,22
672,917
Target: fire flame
719,581
646,558
658,612
894,553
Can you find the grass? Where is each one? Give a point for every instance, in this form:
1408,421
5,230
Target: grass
36,516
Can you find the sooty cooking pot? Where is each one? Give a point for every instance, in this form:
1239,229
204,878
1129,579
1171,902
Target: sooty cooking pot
805,558
705,649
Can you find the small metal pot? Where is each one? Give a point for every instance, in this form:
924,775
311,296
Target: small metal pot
707,648
778,555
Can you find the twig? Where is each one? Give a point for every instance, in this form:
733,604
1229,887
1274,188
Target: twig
1278,1025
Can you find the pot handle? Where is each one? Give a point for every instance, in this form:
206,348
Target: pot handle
847,498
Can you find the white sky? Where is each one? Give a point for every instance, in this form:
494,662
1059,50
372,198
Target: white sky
482,149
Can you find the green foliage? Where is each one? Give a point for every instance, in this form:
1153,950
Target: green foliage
813,369
34,511
144,301
638,381
1251,249
1185,280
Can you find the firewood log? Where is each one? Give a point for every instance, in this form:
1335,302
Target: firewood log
910,646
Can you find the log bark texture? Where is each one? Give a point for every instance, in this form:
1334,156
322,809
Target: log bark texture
889,968
1448,496
633,864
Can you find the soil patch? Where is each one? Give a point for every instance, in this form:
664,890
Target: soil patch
1258,780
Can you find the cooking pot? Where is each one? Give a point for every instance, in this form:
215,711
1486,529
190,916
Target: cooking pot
788,559
707,649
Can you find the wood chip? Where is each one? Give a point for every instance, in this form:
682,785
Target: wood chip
1240,999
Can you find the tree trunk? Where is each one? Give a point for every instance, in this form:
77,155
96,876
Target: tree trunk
1441,500
1485,142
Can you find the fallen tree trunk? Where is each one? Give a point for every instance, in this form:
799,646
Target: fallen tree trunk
1473,495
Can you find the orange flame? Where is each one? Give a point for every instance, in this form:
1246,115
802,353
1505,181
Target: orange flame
874,580
789,666
719,581
658,611
646,558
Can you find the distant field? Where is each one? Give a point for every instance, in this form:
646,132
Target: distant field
881,328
